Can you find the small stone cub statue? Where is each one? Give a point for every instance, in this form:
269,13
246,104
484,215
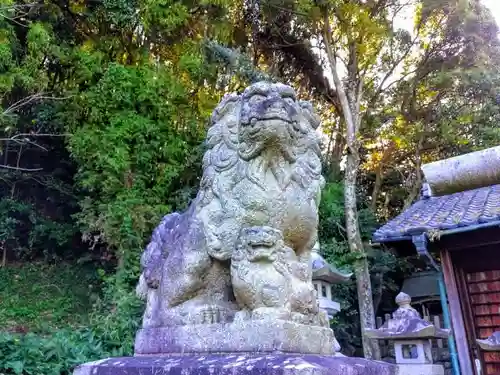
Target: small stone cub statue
269,282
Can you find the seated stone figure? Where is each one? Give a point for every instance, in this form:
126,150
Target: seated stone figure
269,282
261,177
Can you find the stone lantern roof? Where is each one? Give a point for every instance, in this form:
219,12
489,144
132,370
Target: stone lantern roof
406,324
491,344
324,271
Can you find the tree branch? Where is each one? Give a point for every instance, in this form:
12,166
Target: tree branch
22,139
21,169
346,109
38,96
394,66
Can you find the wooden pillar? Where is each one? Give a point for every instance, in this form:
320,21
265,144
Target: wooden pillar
457,321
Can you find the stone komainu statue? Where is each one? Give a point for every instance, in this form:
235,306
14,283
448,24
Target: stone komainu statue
262,171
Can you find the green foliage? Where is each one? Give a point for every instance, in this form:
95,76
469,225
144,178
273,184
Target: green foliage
37,297
116,318
18,218
54,304
145,115
58,352
235,62
127,81
331,214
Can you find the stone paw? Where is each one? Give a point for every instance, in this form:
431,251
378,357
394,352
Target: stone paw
319,319
242,316
271,313
300,318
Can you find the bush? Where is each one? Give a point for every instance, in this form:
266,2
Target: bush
27,234
54,303
37,296
116,319
58,352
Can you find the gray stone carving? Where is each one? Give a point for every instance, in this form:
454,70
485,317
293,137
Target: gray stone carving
242,250
228,283
269,281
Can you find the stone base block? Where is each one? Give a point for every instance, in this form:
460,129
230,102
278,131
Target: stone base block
251,336
420,369
237,364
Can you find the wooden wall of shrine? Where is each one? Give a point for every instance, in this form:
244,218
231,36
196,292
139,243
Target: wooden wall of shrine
472,276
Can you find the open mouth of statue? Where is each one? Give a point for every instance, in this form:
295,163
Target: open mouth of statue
261,238
261,244
255,120
253,127
261,253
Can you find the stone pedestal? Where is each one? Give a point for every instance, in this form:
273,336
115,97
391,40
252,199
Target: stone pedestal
238,364
252,336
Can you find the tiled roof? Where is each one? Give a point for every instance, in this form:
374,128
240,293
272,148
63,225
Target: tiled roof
464,209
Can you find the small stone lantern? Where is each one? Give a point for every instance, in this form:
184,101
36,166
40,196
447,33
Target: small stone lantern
324,276
412,337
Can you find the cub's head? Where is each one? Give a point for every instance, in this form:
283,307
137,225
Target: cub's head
259,244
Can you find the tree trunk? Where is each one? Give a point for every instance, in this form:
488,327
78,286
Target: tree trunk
417,184
379,175
414,192
350,100
371,348
332,156
376,188
337,151
386,212
380,291
4,256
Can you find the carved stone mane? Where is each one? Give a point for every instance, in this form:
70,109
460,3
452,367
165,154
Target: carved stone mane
227,162
223,154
